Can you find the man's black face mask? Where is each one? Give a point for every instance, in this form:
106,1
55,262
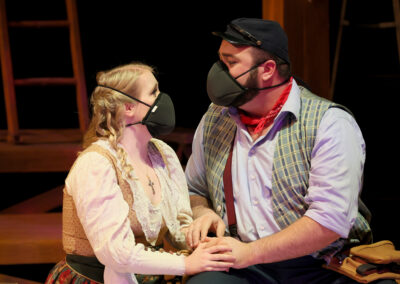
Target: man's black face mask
225,90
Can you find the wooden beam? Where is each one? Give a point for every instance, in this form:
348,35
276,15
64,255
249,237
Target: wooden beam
55,81
55,150
273,10
4,279
8,77
30,238
38,24
40,150
316,47
41,203
396,13
77,65
37,157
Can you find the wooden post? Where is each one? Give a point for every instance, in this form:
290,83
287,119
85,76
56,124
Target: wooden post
396,12
77,64
8,77
306,23
273,10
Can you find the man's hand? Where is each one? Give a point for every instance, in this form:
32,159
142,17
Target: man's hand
198,230
215,258
241,251
301,238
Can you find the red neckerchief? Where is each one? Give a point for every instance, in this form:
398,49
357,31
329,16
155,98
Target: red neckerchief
257,124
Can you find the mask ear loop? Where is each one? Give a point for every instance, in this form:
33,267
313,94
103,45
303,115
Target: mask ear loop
129,96
152,109
251,69
125,94
265,88
130,124
270,87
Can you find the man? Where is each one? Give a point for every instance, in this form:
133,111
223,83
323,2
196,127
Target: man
294,159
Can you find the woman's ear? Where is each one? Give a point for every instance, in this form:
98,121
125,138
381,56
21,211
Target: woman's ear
129,109
269,69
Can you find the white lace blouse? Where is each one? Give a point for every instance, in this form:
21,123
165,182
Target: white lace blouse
103,212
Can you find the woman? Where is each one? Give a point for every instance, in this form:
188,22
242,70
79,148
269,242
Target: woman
127,191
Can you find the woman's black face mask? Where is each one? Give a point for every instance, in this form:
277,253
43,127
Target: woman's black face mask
160,119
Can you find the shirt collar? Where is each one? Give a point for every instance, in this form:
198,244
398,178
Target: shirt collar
292,104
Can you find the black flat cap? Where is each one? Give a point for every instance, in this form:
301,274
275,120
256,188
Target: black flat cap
265,34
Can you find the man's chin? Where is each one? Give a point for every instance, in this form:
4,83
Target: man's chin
245,99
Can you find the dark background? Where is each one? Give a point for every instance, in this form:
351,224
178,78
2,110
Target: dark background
176,39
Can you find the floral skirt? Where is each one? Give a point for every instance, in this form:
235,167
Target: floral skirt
62,273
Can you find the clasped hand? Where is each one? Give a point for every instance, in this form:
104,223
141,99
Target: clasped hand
239,250
196,237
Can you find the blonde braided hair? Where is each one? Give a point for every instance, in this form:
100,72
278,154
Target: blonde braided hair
108,106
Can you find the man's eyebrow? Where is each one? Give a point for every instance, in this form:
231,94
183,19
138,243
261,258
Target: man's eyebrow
226,55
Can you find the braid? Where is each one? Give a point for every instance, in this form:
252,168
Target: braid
108,107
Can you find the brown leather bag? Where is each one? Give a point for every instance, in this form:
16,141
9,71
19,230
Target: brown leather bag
367,263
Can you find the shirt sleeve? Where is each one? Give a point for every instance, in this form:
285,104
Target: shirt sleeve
195,168
337,164
103,213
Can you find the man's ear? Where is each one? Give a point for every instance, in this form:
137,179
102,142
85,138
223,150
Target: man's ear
269,69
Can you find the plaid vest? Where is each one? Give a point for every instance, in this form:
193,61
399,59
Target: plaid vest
291,164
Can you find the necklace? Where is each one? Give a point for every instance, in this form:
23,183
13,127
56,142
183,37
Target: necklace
146,172
151,184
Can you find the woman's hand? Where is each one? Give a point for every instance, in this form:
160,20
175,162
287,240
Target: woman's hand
215,258
198,229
